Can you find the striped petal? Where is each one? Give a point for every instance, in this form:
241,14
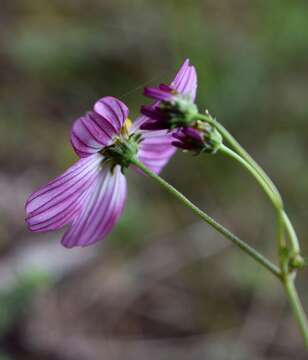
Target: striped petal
185,81
156,149
57,203
100,210
137,124
92,132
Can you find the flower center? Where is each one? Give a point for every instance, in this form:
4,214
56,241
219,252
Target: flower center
124,148
126,126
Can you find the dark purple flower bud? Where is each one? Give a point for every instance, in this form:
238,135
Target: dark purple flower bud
198,140
189,139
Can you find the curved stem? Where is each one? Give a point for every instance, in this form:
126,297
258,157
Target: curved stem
225,150
242,152
221,229
291,232
284,223
296,305
258,173
281,214
281,241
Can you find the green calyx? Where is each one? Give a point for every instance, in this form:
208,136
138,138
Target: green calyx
212,139
123,151
181,111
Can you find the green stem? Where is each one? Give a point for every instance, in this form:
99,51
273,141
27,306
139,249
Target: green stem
284,223
281,241
282,218
296,305
291,232
242,152
221,229
259,174
281,214
225,150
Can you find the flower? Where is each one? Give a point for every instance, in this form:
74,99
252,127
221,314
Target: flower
174,106
90,195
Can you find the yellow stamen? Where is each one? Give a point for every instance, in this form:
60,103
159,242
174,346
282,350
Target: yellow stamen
126,126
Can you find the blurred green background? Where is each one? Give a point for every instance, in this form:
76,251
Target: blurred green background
163,285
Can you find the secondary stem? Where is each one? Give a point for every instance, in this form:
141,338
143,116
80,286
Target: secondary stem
221,229
288,276
259,174
281,241
241,151
291,232
296,305
225,150
282,219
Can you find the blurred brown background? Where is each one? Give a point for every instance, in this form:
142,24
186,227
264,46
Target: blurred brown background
163,285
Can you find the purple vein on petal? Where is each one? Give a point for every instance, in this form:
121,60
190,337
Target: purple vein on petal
61,219
58,198
176,83
90,131
99,211
101,226
31,207
71,236
106,127
50,207
74,235
103,206
81,165
52,214
116,208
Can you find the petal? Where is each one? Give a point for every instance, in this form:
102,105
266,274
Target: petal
156,149
112,110
185,81
158,94
100,210
88,136
97,128
138,122
56,204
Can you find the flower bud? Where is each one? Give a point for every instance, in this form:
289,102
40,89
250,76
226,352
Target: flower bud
204,138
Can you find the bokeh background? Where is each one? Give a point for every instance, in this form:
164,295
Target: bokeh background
163,285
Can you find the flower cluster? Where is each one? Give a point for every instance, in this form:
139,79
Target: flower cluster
175,108
90,196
